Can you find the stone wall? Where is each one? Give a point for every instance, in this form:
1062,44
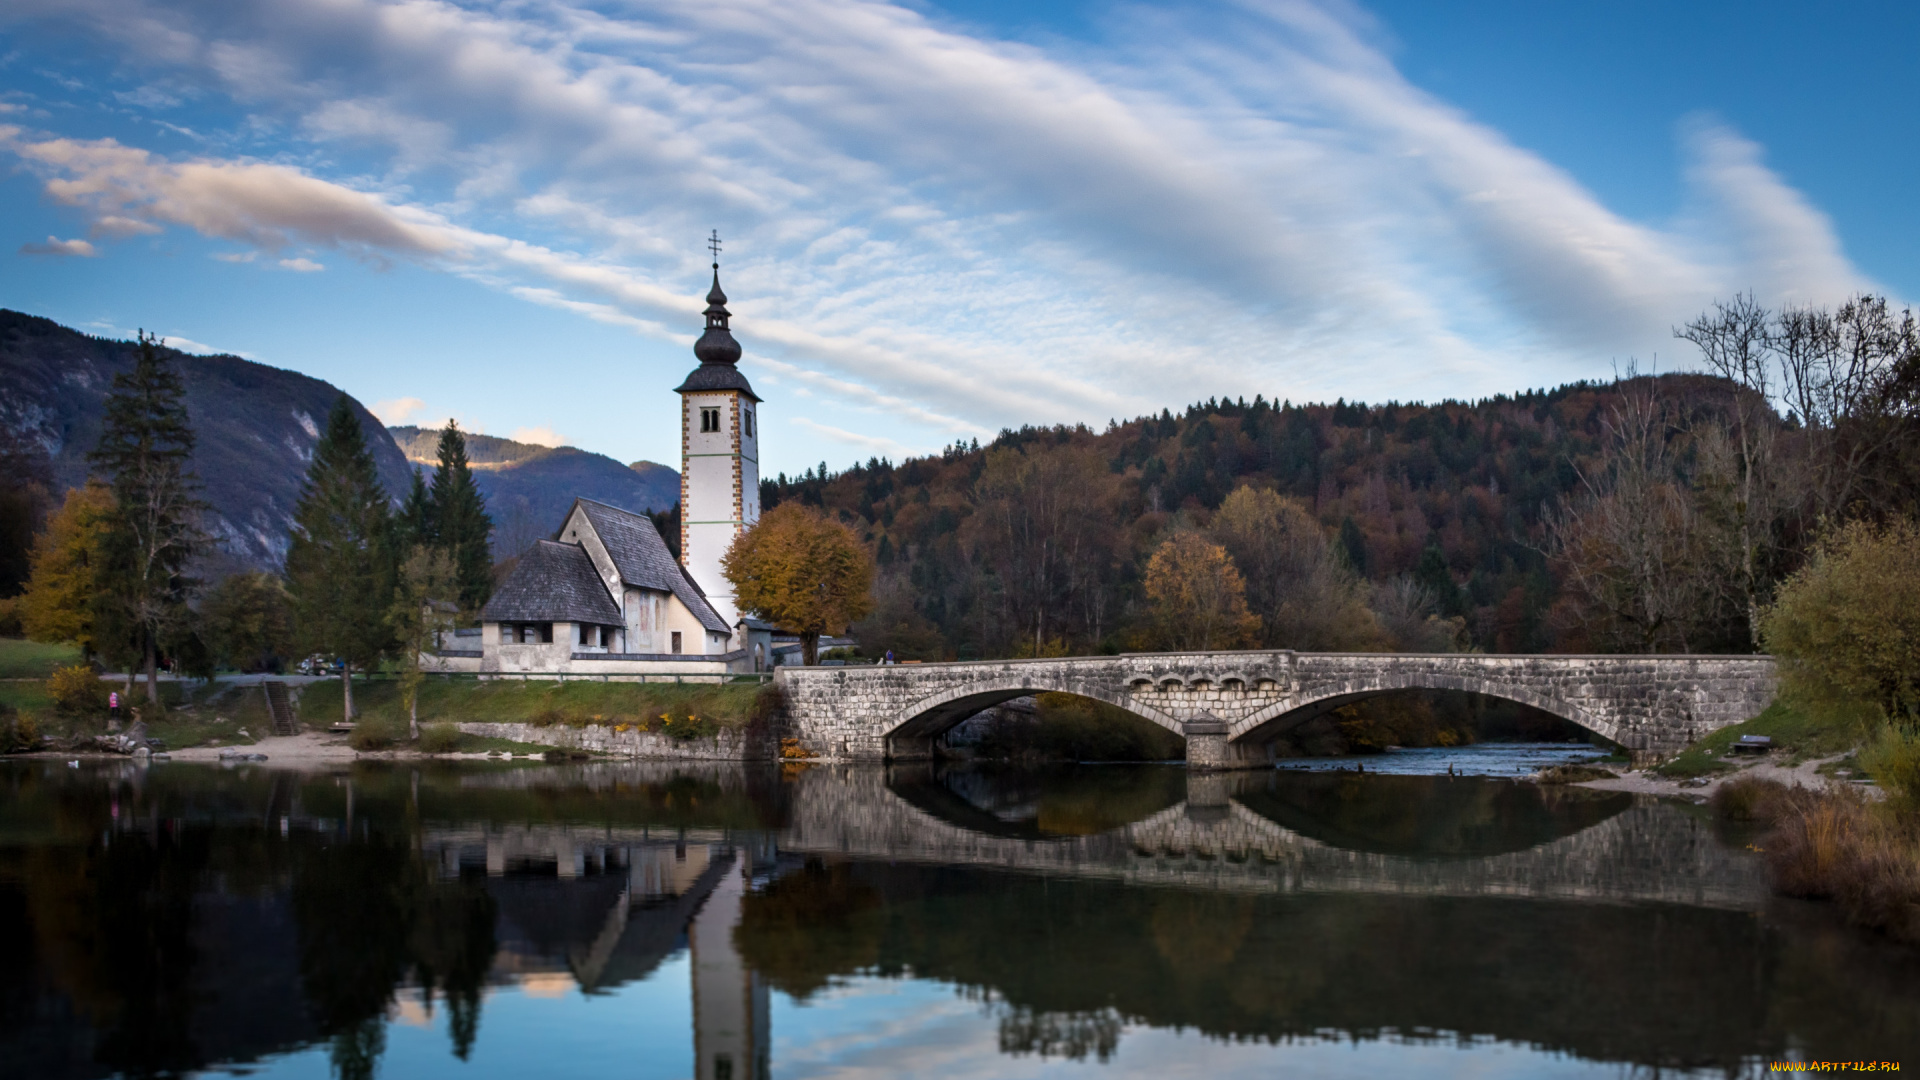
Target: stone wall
727,745
1652,705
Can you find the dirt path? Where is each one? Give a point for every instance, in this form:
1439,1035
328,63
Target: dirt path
1647,782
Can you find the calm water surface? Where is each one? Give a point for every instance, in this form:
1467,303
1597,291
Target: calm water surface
729,923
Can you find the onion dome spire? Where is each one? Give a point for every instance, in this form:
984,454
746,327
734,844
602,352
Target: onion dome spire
717,346
717,350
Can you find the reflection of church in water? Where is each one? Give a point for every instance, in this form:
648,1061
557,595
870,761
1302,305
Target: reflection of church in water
599,911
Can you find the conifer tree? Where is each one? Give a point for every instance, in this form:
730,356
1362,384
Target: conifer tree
145,453
414,526
460,523
340,561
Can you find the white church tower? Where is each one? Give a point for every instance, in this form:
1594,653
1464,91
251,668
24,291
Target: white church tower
719,455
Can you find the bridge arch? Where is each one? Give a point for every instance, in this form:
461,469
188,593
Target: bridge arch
1273,720
936,714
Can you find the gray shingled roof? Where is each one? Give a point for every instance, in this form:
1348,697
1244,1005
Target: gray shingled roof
553,582
710,377
642,559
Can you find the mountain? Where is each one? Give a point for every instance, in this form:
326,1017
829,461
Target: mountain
256,425
529,487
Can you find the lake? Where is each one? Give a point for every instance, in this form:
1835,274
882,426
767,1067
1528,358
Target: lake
732,922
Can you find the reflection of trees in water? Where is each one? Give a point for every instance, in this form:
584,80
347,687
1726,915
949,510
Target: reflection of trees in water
113,928
370,913
810,926
1656,985
1197,933
1070,1035
1030,803
1425,816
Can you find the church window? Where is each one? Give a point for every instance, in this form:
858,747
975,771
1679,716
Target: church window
676,642
709,420
746,421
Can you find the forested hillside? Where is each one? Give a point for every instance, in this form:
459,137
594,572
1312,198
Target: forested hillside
1645,514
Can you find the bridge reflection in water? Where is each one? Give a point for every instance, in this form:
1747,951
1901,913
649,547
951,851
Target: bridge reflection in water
1076,905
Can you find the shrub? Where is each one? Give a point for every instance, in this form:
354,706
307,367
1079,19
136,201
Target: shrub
1847,625
77,690
370,734
1813,834
10,624
1893,760
1747,799
548,717
439,738
689,726
19,733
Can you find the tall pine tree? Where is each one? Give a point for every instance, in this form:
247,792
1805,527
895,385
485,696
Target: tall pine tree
460,523
414,525
340,563
145,453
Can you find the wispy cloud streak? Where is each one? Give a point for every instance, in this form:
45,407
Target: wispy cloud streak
963,232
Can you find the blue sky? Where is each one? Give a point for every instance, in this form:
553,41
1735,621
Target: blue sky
941,219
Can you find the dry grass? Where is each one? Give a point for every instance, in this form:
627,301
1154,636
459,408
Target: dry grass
1834,844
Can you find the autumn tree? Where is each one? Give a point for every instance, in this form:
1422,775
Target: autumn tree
457,518
1630,545
145,455
1041,525
802,571
245,621
1847,625
58,605
1198,599
420,613
339,559
1305,595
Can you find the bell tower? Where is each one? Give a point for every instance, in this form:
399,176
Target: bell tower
719,452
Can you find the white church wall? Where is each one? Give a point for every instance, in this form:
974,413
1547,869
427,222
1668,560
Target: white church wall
711,484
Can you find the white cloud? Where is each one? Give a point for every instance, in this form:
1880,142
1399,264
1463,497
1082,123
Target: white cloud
544,435
959,233
874,443
397,411
57,246
301,265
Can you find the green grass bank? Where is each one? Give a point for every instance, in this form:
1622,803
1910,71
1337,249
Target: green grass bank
22,659
541,703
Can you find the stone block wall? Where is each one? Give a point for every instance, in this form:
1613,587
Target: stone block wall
727,745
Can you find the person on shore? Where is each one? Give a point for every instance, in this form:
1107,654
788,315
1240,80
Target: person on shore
889,658
113,705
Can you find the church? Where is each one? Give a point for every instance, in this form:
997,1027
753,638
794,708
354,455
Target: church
605,596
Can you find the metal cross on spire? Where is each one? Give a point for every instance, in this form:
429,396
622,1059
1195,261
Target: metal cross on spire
713,245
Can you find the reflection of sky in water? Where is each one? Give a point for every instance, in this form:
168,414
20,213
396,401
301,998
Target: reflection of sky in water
1482,759
872,1027
642,1030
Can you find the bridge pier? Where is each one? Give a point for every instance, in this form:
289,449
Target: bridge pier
910,748
1207,800
1207,743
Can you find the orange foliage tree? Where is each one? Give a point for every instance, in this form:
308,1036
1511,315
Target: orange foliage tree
802,571
1199,600
58,605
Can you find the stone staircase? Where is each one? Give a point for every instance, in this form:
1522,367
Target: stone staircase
280,708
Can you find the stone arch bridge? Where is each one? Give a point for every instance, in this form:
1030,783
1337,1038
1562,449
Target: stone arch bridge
1230,705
